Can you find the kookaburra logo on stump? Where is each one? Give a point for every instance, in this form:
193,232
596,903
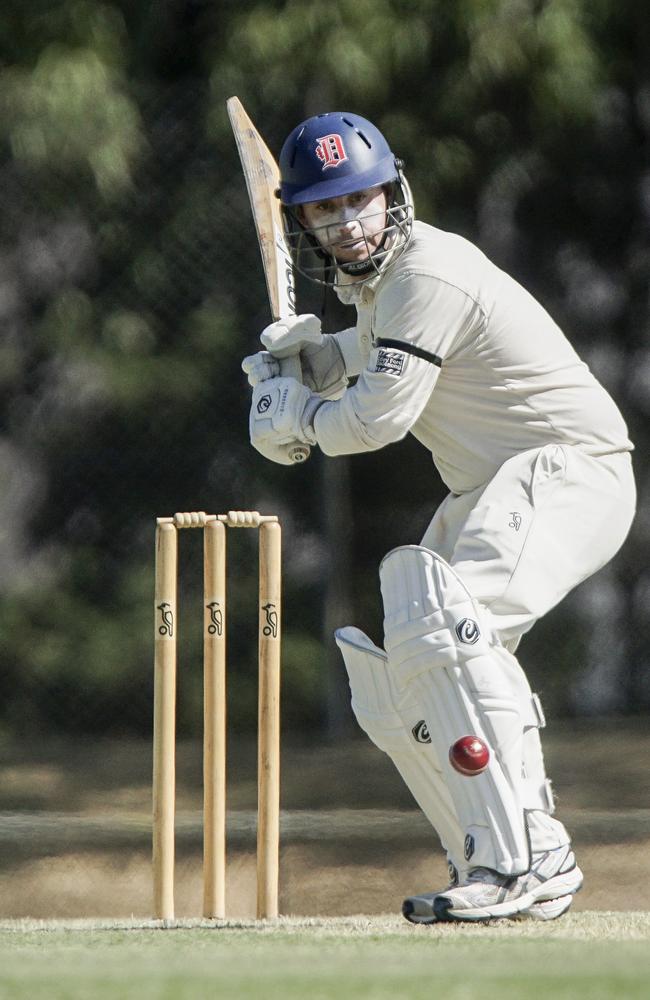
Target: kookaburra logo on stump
271,627
167,619
216,618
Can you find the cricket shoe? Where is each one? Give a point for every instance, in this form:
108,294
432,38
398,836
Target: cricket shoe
543,893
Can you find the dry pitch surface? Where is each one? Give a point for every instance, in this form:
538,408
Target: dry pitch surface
594,955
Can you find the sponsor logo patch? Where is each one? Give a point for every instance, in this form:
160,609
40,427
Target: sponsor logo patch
468,631
331,151
516,520
390,361
263,404
469,847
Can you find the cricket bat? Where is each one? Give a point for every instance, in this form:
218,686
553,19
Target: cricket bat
262,179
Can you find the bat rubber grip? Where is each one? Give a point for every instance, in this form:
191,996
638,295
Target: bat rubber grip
291,368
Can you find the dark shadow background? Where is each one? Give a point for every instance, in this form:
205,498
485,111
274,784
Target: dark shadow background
131,287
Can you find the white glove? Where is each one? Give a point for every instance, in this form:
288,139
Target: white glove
282,411
289,336
323,367
260,367
283,454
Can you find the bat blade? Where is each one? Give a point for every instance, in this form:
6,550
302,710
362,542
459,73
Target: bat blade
262,180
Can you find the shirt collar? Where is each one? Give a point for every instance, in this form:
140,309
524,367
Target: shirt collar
356,292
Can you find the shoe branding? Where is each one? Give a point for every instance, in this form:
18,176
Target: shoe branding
468,631
421,732
469,847
453,872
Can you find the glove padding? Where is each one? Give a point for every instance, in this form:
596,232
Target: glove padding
280,453
260,367
282,411
288,336
321,360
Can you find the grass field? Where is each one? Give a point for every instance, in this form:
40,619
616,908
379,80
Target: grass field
600,956
75,833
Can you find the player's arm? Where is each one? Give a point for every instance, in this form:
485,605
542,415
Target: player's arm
419,324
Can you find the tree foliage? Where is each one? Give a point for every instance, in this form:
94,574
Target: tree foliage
130,288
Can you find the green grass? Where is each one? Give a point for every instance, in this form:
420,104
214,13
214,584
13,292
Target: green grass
598,956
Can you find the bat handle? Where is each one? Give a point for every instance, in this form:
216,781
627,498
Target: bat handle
291,368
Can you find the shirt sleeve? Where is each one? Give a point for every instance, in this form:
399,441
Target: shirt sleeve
418,322
348,340
426,312
383,405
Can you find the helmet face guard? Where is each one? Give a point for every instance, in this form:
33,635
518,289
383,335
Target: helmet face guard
330,156
313,258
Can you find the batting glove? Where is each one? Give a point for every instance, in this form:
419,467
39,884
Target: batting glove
289,336
283,454
282,411
260,367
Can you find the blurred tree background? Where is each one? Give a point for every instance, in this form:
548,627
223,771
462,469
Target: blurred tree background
131,287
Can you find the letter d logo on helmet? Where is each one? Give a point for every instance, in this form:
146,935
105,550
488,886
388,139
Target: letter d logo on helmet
331,151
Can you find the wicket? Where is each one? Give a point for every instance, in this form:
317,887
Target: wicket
214,710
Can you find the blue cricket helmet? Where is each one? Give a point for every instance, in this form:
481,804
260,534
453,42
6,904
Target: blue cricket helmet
332,155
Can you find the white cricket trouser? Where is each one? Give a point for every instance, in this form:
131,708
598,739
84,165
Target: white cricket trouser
548,520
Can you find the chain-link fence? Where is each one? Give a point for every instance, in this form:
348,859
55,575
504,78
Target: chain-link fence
130,289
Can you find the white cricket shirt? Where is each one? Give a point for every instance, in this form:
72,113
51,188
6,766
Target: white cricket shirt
454,350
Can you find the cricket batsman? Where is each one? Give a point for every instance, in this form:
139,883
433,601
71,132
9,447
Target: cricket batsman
536,458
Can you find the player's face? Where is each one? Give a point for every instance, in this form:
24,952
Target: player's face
349,227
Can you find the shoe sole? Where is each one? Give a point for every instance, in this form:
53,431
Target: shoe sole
548,909
561,885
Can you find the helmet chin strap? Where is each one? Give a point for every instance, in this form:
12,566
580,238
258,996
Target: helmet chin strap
357,267
361,267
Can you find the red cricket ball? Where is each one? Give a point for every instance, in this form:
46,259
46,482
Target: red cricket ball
469,755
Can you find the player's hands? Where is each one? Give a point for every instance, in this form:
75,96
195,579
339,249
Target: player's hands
288,336
317,356
260,367
282,411
323,368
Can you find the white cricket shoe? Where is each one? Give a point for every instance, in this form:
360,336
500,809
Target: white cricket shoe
543,893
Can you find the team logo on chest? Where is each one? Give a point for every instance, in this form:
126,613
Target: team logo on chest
331,151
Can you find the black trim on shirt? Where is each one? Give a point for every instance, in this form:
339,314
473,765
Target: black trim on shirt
401,345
